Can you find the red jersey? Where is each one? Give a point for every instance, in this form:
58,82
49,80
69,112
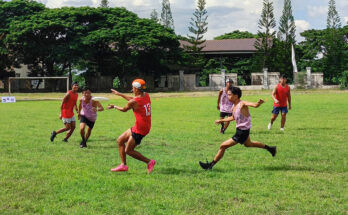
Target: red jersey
142,115
68,107
282,95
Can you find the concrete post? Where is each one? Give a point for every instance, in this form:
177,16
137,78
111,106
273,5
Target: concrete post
181,80
223,77
265,78
309,79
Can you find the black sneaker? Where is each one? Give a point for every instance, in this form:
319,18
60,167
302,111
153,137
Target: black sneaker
206,166
53,135
222,130
83,144
65,140
272,150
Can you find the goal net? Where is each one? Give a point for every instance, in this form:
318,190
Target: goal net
37,84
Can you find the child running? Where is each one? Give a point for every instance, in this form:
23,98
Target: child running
240,113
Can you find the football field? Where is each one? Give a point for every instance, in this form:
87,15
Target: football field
309,174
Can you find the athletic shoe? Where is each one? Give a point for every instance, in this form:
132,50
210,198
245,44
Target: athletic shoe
65,140
281,129
83,144
120,168
150,166
272,150
53,135
206,166
269,126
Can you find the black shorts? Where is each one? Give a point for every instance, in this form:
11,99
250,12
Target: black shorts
137,137
241,135
224,114
88,122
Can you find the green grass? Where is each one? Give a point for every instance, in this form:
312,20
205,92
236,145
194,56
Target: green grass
308,175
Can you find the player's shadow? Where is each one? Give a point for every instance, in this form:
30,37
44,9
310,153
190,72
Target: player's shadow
288,168
185,171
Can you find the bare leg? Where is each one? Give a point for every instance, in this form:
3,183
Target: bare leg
283,120
72,128
121,140
225,145
66,128
249,143
82,130
226,125
273,118
89,131
135,154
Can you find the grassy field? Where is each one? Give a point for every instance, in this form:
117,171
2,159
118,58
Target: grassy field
309,175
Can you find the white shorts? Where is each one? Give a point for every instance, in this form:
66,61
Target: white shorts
68,120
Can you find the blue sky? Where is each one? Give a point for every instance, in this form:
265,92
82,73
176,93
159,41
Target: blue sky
225,15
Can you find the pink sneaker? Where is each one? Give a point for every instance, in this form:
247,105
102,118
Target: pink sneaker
150,166
120,168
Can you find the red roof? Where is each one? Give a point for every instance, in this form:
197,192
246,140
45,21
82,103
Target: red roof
226,46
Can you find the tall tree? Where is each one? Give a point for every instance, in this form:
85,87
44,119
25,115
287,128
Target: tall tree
154,16
166,15
286,37
266,33
104,3
198,27
334,43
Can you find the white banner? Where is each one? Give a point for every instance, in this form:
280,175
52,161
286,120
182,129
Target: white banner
8,99
293,59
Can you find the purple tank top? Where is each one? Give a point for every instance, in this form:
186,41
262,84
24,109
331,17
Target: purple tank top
242,122
87,110
225,104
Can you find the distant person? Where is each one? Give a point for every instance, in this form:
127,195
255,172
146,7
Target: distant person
224,105
241,115
281,95
67,113
87,115
141,106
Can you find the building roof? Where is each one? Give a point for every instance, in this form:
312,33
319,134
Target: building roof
230,46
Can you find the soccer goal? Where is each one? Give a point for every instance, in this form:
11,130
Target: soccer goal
38,84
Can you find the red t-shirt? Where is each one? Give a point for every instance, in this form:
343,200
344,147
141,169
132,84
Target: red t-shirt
68,107
282,95
142,115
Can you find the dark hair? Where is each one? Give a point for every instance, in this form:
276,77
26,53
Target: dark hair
73,83
235,91
85,89
283,76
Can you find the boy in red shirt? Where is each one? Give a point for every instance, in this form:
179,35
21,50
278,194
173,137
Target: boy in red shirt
281,95
67,113
141,106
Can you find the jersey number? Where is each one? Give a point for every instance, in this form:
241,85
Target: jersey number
148,109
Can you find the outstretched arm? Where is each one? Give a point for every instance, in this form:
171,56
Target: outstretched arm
131,104
252,104
122,95
228,119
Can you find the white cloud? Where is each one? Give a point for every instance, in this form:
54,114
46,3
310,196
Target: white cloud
316,11
346,19
301,26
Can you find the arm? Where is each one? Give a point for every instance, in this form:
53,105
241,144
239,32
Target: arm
79,112
274,92
97,106
289,99
219,99
65,99
252,104
122,95
228,119
130,105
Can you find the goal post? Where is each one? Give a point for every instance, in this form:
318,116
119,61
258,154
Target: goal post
37,78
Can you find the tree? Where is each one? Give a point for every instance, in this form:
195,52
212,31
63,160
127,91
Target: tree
154,16
266,34
334,43
236,35
286,37
166,15
198,27
104,3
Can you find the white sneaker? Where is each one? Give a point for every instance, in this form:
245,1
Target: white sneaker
281,129
269,126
